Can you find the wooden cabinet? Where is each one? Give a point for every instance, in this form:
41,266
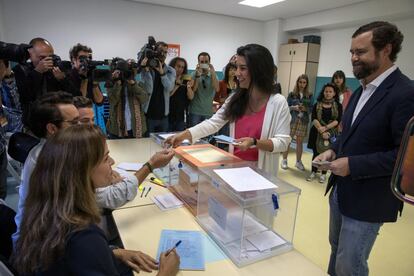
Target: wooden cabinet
297,59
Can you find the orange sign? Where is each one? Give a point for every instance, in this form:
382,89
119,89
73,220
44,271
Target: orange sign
173,50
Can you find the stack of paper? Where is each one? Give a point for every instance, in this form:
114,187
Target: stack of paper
167,202
190,249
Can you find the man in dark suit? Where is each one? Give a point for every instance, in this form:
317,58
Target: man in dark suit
363,157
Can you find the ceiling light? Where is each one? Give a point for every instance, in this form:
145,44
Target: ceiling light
259,3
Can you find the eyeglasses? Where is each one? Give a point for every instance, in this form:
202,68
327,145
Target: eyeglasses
71,122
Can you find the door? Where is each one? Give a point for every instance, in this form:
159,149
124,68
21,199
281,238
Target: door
283,76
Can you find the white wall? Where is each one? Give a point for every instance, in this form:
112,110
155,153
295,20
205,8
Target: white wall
337,26
335,45
1,21
120,28
274,36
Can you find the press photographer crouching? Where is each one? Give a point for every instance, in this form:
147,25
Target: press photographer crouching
82,73
126,97
159,79
43,73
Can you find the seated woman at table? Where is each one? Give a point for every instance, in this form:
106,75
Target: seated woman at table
259,117
59,234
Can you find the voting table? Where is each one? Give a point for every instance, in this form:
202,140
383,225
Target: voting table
140,223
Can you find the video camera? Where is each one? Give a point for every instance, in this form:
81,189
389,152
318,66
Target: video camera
150,52
126,68
14,52
87,64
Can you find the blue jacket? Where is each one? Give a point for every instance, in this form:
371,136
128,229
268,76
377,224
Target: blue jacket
168,81
372,144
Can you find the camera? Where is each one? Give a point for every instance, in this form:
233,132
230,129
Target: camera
87,64
150,52
63,65
126,68
14,52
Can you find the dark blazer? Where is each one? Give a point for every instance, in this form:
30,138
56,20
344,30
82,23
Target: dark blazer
371,144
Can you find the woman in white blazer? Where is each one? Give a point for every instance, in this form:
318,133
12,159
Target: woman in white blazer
259,117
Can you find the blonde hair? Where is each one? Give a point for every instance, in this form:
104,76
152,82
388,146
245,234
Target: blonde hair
296,90
61,196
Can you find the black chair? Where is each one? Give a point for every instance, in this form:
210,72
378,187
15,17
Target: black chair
20,145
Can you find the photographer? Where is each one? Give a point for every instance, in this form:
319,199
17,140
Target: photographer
205,88
82,73
39,76
158,82
126,97
180,96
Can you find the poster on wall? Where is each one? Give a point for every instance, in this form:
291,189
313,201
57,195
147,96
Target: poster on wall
173,50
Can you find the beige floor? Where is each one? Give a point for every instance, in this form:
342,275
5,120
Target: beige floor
393,252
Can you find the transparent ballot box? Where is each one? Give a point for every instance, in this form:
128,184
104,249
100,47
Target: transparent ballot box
250,214
184,170
158,139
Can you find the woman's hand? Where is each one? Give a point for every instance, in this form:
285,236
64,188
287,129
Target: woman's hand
326,135
322,129
169,264
136,260
175,140
244,143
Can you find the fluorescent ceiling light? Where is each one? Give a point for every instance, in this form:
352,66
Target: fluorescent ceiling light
259,3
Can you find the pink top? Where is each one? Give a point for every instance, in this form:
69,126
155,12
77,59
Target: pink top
249,126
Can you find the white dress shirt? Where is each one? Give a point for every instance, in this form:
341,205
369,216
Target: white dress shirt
369,89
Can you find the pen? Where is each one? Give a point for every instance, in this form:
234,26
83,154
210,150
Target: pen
158,184
148,191
156,180
143,191
175,246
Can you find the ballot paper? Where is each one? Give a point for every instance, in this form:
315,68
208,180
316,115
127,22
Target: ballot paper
224,139
244,179
167,201
166,135
265,240
190,249
129,166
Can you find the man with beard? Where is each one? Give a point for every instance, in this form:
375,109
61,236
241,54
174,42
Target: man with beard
363,157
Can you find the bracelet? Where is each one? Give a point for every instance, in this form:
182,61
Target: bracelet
147,164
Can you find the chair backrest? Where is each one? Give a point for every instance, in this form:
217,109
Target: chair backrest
402,182
20,145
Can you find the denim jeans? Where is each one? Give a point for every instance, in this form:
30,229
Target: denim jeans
176,126
195,119
157,125
351,242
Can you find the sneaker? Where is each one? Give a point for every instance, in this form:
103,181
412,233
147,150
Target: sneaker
311,177
284,164
322,178
300,166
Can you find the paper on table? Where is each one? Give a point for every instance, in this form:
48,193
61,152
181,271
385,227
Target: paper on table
166,135
167,201
207,155
265,240
244,179
190,250
129,166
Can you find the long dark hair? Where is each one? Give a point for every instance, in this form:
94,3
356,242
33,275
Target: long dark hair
335,88
174,61
229,66
340,75
260,64
61,196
